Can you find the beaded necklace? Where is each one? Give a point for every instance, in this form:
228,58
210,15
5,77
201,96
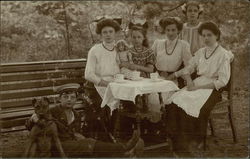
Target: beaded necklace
107,48
211,53
173,48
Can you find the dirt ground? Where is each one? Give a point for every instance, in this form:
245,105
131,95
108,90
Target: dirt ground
13,144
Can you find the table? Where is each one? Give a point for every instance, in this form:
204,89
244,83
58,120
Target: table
128,90
131,91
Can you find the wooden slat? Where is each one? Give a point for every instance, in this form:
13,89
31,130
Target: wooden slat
13,115
20,103
40,67
14,104
152,147
13,122
43,62
40,75
38,84
26,112
28,107
32,93
222,103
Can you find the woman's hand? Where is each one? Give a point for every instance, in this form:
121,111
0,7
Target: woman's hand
192,88
132,67
171,77
124,64
164,74
103,83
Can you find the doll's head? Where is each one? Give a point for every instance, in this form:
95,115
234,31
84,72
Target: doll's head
121,45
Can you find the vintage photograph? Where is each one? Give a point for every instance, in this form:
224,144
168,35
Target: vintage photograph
124,79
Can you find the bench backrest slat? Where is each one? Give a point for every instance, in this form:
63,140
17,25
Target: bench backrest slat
38,84
37,75
40,67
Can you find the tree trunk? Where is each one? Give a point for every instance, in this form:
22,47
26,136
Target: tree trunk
67,30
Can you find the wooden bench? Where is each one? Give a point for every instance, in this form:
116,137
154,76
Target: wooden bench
21,82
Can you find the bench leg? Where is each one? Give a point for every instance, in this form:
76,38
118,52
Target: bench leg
211,127
232,124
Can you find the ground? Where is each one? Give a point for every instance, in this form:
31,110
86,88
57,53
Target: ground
222,145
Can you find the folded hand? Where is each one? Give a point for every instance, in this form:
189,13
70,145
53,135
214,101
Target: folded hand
164,74
171,77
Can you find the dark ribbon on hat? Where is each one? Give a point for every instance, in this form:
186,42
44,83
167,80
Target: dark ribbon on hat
143,26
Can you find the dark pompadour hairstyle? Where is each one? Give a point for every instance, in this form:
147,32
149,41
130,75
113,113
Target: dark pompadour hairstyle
169,21
210,26
107,22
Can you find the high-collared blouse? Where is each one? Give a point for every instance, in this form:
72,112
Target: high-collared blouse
171,63
101,64
144,57
191,35
211,66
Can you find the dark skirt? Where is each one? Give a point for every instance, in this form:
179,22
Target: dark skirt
183,128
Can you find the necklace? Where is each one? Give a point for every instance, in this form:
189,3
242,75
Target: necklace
173,48
107,48
211,53
139,50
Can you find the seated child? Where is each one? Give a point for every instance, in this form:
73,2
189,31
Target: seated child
123,56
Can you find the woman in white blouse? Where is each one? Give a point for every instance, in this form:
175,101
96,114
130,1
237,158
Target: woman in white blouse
101,63
187,116
192,11
171,54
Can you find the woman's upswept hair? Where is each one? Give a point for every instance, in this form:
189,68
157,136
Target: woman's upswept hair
209,25
107,22
164,22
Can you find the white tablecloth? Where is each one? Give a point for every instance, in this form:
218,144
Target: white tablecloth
128,90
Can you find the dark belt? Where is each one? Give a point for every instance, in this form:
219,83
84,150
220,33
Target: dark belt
164,71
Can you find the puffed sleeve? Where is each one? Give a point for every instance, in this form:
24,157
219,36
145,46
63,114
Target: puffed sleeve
90,74
224,72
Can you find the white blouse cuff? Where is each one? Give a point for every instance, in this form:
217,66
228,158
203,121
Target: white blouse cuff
218,84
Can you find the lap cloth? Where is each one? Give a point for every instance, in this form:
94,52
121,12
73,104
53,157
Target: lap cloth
183,128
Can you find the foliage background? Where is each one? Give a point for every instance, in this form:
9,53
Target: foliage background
37,31
51,30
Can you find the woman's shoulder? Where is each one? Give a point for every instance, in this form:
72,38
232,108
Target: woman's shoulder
225,54
200,52
96,47
159,41
184,43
